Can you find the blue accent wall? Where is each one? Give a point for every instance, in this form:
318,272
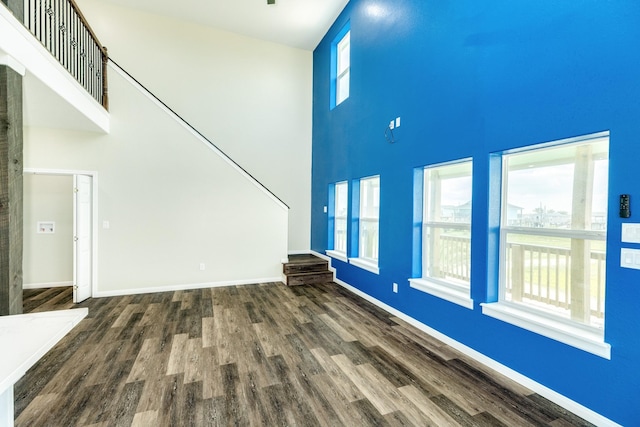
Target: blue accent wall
470,78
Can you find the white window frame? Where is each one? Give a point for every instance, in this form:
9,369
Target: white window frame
335,252
528,316
343,70
367,263
448,290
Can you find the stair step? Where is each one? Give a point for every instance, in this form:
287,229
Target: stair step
311,278
305,268
304,264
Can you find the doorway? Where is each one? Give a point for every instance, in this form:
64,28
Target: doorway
60,233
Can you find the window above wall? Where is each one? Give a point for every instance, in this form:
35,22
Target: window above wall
340,67
552,242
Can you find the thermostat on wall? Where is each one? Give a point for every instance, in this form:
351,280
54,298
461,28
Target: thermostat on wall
46,227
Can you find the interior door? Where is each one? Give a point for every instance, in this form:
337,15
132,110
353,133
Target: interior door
81,237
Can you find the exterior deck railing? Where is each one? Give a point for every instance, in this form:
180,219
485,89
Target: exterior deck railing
62,29
543,273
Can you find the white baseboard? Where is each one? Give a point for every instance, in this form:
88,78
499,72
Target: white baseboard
46,285
183,287
557,398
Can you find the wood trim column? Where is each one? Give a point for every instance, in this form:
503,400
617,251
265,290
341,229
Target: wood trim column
11,192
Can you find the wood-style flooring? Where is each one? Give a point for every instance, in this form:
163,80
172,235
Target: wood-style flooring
262,355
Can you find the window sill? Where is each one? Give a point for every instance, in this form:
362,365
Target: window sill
365,264
337,255
588,339
441,290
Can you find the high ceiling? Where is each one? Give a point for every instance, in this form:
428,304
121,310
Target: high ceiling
296,23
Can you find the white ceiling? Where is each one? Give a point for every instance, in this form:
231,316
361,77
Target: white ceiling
296,23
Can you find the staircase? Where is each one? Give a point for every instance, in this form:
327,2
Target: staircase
306,269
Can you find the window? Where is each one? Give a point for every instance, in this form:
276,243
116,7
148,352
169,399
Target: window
445,235
344,65
368,222
553,241
340,66
338,203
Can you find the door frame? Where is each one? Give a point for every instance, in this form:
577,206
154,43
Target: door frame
94,213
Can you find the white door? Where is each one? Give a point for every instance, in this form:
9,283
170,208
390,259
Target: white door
81,237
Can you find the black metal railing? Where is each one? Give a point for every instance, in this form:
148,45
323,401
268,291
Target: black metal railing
63,30
195,131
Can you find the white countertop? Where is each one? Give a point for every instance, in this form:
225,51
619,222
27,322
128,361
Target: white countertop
25,338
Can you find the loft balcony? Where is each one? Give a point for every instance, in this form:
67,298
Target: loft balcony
63,65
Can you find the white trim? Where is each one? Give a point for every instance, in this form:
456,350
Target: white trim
342,256
298,252
558,142
365,264
94,213
47,285
449,293
556,329
557,398
184,287
195,134
13,63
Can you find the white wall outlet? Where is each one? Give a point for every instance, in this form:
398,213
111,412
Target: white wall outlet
397,122
325,209
395,288
392,124
202,266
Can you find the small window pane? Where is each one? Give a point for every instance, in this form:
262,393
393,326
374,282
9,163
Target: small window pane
342,87
344,56
542,183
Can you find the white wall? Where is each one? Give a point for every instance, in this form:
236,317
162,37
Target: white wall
171,202
251,98
48,258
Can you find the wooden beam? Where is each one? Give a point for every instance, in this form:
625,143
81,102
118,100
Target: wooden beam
11,168
580,248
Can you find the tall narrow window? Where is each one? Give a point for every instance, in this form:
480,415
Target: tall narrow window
338,204
368,224
340,66
446,232
340,227
344,66
553,240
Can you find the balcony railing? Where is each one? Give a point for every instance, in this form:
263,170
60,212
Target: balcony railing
539,274
63,30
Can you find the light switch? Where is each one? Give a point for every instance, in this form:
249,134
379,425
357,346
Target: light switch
630,258
397,122
630,232
106,225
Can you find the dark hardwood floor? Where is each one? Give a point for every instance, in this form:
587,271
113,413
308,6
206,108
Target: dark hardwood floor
261,355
